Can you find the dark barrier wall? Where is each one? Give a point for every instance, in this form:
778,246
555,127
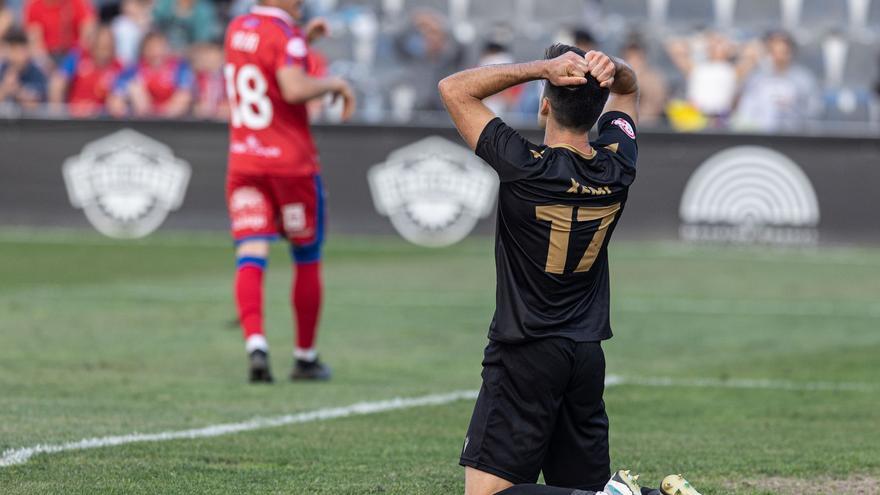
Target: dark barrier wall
845,173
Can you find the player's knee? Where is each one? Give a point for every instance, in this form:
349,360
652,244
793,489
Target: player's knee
481,483
252,249
310,253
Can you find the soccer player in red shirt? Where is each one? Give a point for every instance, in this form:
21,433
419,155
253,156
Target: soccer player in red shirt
274,185
57,26
86,78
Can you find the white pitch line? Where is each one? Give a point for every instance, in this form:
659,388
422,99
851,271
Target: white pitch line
13,457
18,456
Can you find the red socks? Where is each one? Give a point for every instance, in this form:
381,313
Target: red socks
306,301
249,295
305,298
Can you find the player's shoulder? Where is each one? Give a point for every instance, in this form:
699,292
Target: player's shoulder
618,138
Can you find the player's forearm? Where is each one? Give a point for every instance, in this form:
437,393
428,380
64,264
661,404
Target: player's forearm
625,80
302,88
483,82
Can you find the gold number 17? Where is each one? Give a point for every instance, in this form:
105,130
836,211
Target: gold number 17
560,218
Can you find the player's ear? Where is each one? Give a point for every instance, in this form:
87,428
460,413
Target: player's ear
544,113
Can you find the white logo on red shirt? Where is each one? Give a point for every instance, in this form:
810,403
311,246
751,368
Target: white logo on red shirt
625,127
297,48
294,218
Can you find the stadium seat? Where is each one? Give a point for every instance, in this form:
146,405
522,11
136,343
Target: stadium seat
496,11
810,55
758,13
861,64
847,106
636,10
824,14
567,12
691,13
440,5
874,16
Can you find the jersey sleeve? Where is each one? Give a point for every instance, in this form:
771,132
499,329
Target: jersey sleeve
617,132
292,52
68,66
120,86
83,11
184,79
505,150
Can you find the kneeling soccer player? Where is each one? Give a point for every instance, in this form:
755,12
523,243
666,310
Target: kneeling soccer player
541,408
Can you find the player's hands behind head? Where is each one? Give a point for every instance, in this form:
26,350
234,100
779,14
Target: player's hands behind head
568,69
349,102
601,67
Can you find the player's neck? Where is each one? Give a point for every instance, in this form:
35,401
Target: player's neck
554,135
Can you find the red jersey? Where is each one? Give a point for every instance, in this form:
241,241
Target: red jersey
60,20
267,134
166,80
89,84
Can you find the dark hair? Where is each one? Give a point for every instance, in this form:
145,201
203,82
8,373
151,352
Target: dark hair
779,34
634,42
575,107
583,37
492,47
15,36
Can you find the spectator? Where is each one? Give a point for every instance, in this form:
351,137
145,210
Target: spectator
652,83
713,77
430,53
495,53
585,40
779,95
186,22
207,62
7,18
86,78
130,27
160,85
57,26
22,82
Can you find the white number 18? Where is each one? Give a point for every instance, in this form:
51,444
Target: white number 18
250,106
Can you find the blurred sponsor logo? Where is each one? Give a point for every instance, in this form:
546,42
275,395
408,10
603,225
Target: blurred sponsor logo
433,191
126,183
625,127
750,194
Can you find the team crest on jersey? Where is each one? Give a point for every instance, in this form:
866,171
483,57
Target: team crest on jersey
126,184
433,191
750,194
297,48
625,127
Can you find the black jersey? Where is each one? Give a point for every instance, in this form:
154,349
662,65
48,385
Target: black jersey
557,209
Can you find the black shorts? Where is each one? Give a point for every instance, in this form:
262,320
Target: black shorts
540,409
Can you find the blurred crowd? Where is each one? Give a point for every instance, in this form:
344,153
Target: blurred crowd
164,59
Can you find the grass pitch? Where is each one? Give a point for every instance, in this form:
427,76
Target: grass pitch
108,338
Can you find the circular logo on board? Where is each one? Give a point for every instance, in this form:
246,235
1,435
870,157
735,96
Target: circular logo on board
750,194
433,191
126,184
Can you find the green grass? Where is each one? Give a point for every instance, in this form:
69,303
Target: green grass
102,338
